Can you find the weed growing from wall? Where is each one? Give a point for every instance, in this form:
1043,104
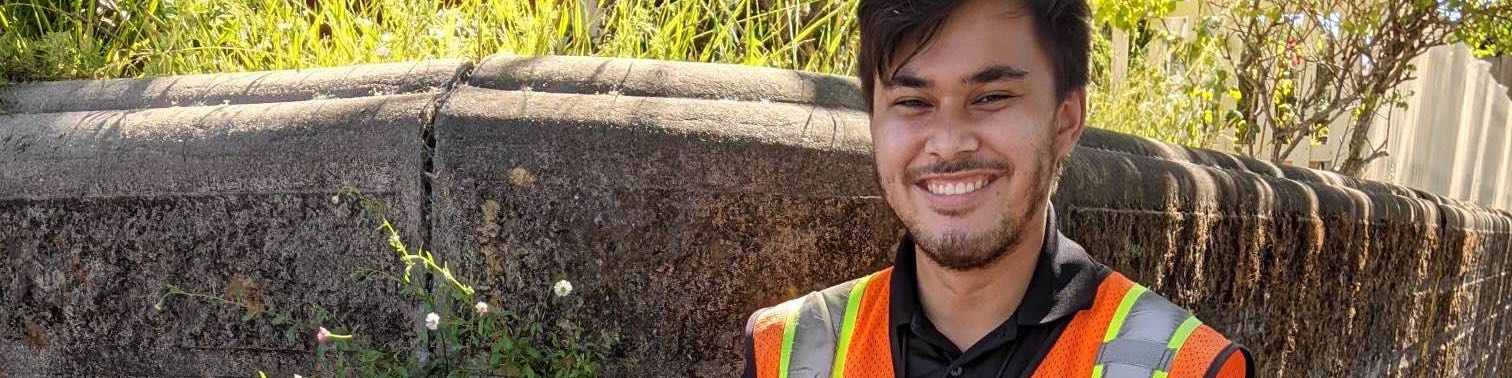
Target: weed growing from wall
459,332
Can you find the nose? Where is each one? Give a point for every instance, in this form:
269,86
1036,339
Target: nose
951,135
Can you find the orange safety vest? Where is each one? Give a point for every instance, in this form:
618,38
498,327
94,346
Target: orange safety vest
842,331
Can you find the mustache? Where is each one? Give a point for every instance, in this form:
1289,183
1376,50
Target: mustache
953,166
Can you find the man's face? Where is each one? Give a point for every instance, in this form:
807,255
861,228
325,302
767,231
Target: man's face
968,136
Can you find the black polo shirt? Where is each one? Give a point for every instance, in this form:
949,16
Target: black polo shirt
1065,281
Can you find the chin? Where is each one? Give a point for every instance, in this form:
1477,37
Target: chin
958,250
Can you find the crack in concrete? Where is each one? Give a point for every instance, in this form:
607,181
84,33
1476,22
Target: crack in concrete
427,177
428,149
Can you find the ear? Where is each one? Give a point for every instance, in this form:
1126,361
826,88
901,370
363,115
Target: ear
1070,120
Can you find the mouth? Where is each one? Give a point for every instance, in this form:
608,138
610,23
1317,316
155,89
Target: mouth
955,192
955,186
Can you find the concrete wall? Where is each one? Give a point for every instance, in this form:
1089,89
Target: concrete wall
677,197
108,193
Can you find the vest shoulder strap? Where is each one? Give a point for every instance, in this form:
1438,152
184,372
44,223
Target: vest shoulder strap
825,332
1130,331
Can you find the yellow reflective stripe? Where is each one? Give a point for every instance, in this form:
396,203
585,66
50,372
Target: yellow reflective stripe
1177,340
1180,337
848,326
1123,312
1097,371
789,326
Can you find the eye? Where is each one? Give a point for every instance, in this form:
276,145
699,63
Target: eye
994,97
912,103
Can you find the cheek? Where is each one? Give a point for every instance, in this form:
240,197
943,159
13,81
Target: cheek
1027,147
892,150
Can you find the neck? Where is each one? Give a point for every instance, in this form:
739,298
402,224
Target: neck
966,305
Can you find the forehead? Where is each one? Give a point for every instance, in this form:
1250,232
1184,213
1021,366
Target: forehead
979,33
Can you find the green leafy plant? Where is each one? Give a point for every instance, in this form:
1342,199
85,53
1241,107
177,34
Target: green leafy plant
1174,93
1488,34
462,334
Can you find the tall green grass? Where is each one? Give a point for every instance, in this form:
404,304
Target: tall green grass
51,40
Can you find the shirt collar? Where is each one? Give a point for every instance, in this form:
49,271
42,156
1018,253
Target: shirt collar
1065,281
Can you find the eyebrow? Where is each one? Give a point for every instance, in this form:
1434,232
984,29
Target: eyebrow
906,79
996,72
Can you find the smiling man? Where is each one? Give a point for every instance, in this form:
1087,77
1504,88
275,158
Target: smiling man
974,105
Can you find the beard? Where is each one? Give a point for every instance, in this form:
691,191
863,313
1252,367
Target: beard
965,250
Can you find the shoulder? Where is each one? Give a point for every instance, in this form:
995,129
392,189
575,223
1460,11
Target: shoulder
821,311
827,304
1148,330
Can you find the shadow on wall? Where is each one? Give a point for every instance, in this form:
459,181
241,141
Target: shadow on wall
678,198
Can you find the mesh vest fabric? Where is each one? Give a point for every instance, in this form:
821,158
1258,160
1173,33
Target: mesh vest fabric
836,332
1129,331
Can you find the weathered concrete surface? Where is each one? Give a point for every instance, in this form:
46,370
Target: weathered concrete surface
656,78
102,209
234,88
677,201
673,217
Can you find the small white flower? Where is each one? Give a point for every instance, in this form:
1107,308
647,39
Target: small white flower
382,52
336,199
432,321
562,288
480,308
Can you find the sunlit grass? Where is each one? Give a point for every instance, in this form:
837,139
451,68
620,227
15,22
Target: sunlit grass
50,40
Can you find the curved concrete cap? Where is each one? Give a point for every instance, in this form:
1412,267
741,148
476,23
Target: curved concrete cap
429,76
659,78
322,145
662,142
1112,141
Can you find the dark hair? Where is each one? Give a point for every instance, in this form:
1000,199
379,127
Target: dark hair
1060,26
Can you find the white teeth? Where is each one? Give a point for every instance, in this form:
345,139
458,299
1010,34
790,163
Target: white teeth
956,188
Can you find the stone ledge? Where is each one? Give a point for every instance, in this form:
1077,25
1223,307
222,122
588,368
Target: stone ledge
659,78
429,76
